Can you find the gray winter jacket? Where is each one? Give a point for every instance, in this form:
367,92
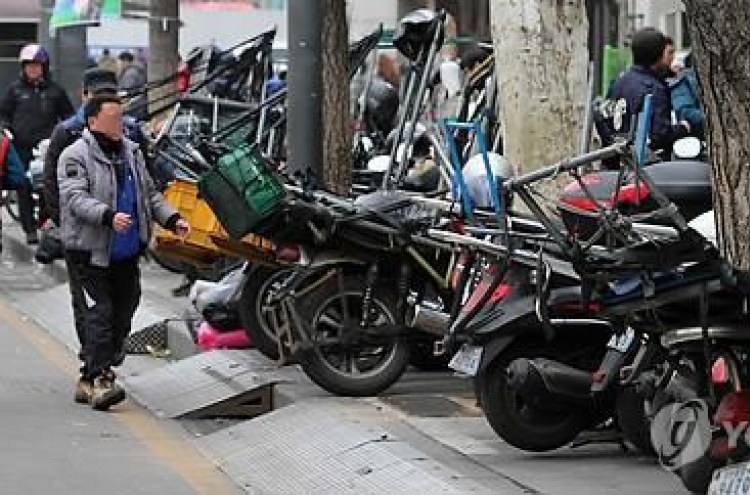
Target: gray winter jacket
88,198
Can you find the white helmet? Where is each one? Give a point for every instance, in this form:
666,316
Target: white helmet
475,175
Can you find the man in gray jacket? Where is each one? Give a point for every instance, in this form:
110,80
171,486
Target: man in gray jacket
108,204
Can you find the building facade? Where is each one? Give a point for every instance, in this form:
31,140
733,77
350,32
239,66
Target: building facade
666,15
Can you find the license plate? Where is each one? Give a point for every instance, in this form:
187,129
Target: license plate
622,342
467,360
733,480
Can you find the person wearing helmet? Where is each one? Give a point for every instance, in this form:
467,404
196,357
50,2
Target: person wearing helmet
31,108
651,51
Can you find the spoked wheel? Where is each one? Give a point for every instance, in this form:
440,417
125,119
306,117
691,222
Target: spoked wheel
347,358
258,312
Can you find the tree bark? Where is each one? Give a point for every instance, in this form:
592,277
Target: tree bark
336,118
720,38
541,57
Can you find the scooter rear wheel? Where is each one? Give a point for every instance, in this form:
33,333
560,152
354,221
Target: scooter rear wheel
523,425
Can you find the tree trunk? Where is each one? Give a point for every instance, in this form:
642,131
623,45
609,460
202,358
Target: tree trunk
336,118
541,57
719,35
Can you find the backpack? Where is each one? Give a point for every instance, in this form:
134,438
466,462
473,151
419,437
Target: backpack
12,169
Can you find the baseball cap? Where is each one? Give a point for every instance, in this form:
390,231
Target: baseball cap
97,80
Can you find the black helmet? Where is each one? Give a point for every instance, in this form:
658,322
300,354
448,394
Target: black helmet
382,104
415,32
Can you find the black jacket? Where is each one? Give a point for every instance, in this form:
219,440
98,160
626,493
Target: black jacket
633,86
31,111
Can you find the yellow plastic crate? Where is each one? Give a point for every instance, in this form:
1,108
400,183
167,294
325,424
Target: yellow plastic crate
198,246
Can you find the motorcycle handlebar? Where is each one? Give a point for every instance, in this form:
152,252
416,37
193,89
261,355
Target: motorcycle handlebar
566,165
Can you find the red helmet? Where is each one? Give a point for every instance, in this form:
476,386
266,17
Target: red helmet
33,53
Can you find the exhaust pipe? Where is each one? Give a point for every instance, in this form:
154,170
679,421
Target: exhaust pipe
431,320
547,383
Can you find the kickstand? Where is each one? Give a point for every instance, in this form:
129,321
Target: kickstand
706,344
601,435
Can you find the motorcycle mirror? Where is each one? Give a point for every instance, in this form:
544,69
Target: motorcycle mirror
689,147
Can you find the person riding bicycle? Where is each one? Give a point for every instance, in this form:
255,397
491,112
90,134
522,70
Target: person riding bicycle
31,108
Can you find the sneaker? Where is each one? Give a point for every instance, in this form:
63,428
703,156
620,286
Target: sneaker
32,238
84,391
106,393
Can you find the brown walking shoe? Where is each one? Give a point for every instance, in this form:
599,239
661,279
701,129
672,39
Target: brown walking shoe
106,393
84,391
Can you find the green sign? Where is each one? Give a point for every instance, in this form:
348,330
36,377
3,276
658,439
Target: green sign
83,12
615,61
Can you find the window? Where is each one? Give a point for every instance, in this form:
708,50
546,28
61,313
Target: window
670,25
13,36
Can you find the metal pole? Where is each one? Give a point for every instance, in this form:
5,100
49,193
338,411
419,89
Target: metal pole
588,119
305,82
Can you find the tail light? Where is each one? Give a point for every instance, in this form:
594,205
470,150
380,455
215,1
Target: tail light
720,372
501,292
734,409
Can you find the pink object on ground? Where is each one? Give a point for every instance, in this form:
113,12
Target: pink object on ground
209,338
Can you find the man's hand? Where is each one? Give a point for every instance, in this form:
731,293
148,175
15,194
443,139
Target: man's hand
121,222
686,125
182,228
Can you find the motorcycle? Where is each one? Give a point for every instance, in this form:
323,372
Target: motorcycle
538,350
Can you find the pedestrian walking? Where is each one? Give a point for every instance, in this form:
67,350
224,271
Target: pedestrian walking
96,82
132,80
107,61
108,204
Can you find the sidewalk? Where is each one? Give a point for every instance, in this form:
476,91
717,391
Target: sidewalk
424,436
52,445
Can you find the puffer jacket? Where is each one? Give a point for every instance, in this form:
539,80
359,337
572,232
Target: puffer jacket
65,134
687,103
88,198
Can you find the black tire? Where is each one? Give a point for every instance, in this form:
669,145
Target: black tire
388,357
10,200
254,311
524,426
